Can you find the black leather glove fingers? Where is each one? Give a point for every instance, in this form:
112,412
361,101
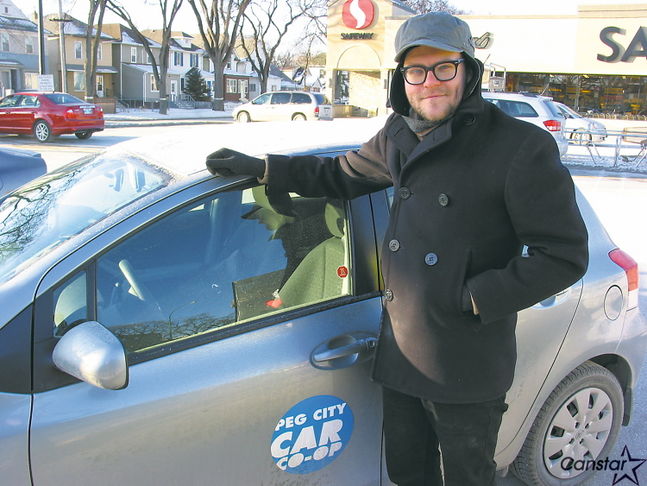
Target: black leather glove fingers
225,162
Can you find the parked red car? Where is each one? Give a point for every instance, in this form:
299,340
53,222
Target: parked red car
49,114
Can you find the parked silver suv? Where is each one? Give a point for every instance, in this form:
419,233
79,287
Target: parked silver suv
285,105
535,109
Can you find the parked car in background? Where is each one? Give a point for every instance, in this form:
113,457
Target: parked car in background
49,114
18,167
155,314
535,109
580,129
285,105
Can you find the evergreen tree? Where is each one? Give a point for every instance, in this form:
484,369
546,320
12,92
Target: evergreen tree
196,86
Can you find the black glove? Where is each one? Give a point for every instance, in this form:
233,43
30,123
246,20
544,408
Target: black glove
228,162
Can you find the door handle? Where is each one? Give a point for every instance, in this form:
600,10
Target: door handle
361,345
344,350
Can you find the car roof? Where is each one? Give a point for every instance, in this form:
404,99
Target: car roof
515,96
185,152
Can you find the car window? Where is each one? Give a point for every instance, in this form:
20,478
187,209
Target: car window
552,108
29,101
9,101
262,99
280,98
514,108
70,303
63,98
300,98
219,262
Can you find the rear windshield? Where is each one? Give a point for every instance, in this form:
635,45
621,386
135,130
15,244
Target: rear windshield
552,107
321,99
52,209
63,98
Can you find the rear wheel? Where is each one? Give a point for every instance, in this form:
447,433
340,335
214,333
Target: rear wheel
243,117
298,117
84,135
578,423
42,131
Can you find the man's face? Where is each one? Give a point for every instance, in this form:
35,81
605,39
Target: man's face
434,100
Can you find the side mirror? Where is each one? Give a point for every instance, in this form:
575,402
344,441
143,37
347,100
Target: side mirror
91,353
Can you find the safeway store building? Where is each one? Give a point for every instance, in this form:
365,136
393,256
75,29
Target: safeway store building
593,60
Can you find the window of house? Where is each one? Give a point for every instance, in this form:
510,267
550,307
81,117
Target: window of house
148,59
4,41
153,83
79,81
193,60
29,45
252,87
99,52
243,261
78,50
133,54
232,86
178,59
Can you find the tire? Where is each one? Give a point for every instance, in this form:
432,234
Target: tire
557,440
42,131
243,117
84,135
299,117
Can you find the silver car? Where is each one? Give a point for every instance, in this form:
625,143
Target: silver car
580,129
532,108
163,326
285,105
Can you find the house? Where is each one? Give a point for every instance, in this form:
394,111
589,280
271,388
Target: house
184,54
311,78
74,33
135,83
19,66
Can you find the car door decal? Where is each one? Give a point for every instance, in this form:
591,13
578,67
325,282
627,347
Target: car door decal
312,434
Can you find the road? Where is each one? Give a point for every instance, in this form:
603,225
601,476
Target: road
619,201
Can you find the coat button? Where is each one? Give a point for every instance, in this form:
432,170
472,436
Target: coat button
404,192
394,245
388,294
443,199
431,259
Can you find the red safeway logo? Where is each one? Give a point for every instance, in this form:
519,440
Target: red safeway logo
358,14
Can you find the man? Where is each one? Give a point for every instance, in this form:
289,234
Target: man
472,187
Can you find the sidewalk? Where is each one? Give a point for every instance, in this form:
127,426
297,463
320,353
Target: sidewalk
143,117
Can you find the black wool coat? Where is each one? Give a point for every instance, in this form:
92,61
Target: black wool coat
468,196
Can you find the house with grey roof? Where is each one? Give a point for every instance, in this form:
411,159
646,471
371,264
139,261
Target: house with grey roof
19,67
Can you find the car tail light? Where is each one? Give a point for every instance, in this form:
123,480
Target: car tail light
553,125
316,111
630,267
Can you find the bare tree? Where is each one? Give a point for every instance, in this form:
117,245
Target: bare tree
92,41
268,21
425,6
219,22
169,10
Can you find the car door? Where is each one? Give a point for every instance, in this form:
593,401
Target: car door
248,332
280,107
261,108
7,108
24,113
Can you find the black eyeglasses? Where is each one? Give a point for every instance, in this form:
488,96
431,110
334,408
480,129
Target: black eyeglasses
444,71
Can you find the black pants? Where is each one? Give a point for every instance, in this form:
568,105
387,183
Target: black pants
415,430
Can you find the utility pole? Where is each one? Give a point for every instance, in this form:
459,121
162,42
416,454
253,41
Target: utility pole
41,39
61,47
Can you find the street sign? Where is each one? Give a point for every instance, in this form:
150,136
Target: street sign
45,82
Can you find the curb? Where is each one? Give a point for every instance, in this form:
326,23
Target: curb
162,123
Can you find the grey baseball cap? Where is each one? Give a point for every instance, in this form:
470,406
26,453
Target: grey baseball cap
435,29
